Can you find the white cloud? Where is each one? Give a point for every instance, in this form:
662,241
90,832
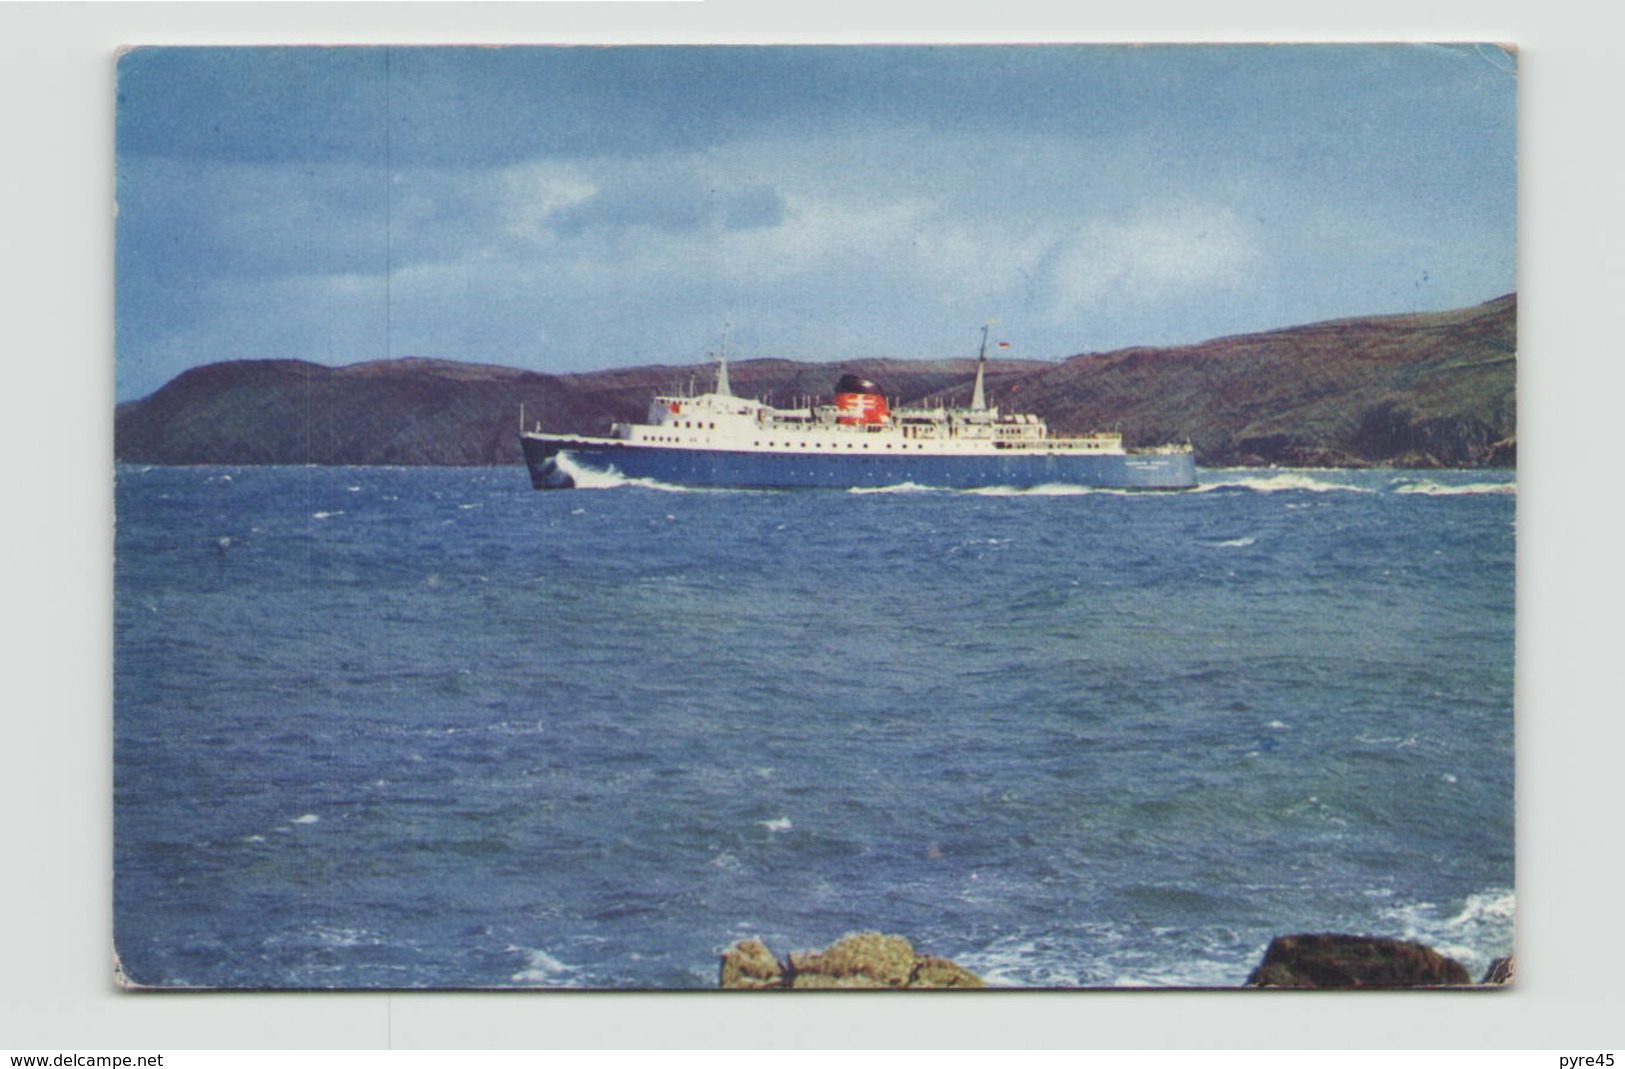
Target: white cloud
532,193
1157,254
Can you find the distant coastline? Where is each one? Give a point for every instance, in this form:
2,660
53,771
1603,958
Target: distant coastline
1420,390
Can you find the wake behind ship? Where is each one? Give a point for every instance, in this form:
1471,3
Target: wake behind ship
857,441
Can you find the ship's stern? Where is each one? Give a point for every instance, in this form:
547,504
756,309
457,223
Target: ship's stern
1161,470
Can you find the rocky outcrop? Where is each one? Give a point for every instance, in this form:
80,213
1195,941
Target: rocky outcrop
750,966
1354,961
872,960
856,960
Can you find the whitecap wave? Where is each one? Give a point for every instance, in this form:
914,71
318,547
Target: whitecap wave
1474,930
1024,961
1437,489
1231,543
1102,958
1044,490
326,515
1279,481
600,479
897,488
327,935
541,969
590,478
1398,742
726,862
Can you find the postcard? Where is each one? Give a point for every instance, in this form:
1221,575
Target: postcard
803,517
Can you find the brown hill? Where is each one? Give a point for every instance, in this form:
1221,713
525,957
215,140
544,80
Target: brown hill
1412,390
1415,390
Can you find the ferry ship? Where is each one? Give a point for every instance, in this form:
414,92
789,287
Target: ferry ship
856,441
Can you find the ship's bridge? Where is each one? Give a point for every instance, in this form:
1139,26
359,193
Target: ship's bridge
700,419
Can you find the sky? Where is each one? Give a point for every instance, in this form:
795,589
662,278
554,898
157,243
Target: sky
576,208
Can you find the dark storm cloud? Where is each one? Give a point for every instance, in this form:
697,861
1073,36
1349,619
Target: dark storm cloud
584,207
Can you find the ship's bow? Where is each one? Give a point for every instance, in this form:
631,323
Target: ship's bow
542,460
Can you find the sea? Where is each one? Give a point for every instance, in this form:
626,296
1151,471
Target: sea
428,728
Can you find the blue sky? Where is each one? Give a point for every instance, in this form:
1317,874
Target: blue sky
568,209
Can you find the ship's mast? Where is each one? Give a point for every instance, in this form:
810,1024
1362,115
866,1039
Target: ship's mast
978,397
722,364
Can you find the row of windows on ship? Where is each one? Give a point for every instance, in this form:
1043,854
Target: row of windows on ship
1015,431
1084,444
775,444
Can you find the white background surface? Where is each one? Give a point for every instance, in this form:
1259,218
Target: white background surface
56,207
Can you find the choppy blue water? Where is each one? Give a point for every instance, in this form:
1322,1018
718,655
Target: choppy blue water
426,727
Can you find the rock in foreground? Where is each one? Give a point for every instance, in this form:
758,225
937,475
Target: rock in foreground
1345,961
749,965
856,960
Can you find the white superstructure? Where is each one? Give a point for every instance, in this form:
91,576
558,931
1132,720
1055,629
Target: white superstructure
858,420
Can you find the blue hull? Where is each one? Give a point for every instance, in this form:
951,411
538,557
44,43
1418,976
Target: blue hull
717,467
